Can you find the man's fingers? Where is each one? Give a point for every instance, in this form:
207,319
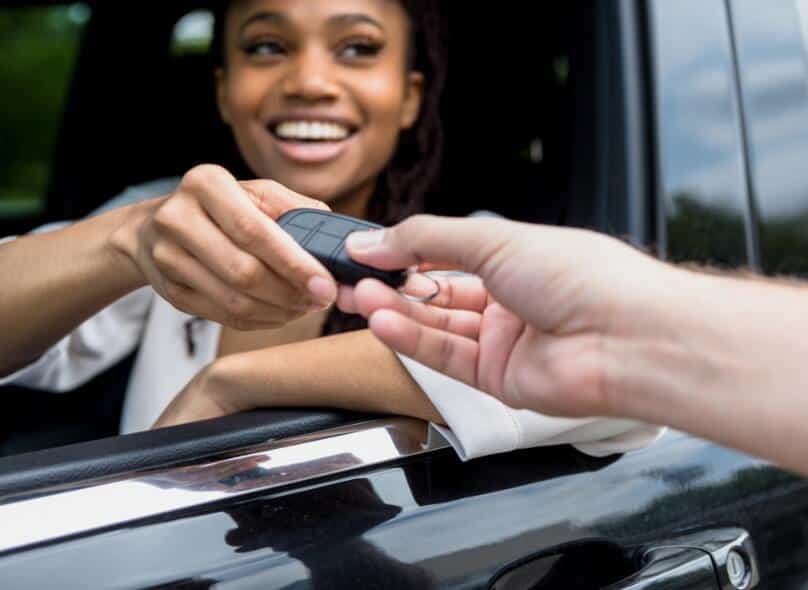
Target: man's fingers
422,239
465,292
346,301
371,295
447,353
460,292
499,332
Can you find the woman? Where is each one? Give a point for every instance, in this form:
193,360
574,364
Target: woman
336,100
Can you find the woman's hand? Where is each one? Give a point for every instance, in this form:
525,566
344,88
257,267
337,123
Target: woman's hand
212,249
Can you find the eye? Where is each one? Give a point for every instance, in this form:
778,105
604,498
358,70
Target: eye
360,48
264,48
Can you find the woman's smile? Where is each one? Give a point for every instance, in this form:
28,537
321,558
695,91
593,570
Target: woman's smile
311,138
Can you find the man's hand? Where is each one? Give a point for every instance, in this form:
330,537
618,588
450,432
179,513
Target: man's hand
533,327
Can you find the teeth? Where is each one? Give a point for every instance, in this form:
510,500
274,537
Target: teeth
311,130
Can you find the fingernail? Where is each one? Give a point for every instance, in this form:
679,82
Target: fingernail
365,240
322,290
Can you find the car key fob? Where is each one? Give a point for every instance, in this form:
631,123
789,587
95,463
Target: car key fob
322,234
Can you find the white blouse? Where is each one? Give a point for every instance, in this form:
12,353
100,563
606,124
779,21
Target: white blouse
477,424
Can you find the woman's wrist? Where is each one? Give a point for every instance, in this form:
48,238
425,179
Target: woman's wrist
226,382
122,238
217,390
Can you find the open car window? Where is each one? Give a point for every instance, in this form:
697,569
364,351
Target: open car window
521,124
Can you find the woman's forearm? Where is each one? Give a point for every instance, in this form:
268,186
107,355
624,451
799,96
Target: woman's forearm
351,371
726,359
54,281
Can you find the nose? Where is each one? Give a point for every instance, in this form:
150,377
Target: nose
310,77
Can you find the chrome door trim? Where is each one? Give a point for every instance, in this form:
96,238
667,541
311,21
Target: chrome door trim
140,495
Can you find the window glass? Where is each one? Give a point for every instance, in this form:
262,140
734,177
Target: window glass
193,33
38,48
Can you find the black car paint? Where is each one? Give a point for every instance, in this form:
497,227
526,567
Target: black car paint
436,522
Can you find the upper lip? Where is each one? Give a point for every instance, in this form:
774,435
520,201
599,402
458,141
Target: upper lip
312,116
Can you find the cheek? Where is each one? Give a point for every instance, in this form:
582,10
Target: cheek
244,97
383,98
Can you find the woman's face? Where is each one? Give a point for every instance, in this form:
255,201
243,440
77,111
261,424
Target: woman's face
317,91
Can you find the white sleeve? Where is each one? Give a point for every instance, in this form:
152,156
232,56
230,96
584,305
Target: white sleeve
480,425
105,338
87,351
93,347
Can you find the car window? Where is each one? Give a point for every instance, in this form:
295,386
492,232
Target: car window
522,164
38,49
702,185
772,50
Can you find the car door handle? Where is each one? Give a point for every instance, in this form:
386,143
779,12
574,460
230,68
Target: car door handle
723,559
716,559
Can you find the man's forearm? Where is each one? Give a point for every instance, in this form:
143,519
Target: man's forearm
724,358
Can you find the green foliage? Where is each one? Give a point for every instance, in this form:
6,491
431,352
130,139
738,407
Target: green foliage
714,235
709,234
38,48
784,242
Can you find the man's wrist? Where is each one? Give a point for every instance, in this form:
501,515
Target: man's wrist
669,347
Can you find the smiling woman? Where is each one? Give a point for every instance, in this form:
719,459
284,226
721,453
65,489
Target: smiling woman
317,101
338,103
344,91
324,98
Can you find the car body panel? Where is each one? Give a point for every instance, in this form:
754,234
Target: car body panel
437,522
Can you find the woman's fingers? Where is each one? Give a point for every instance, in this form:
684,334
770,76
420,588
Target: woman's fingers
274,199
235,212
185,224
212,248
194,288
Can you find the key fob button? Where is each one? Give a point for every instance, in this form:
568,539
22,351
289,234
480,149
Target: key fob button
297,232
323,233
323,246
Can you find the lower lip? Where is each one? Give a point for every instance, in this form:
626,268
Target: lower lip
312,152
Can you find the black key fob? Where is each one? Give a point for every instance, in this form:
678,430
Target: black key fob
323,233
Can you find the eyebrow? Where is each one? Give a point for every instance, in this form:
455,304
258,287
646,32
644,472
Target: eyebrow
272,17
339,20
352,19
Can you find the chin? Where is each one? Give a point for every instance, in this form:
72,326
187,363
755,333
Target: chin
313,188
322,186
